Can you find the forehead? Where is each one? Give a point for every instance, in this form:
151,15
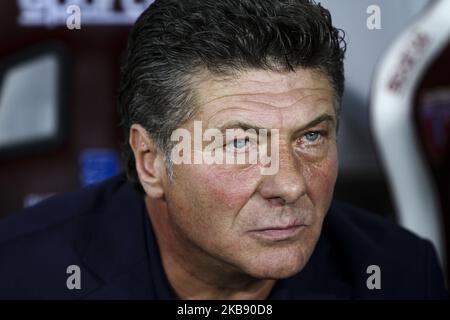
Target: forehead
272,98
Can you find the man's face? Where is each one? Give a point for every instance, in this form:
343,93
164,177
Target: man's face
232,215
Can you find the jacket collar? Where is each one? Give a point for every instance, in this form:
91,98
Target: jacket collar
116,250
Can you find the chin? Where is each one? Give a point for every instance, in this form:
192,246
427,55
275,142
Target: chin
278,265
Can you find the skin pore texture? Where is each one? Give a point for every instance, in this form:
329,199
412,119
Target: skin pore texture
226,231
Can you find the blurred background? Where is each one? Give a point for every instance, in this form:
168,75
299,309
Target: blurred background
59,74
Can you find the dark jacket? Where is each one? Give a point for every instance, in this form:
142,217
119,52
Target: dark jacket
103,230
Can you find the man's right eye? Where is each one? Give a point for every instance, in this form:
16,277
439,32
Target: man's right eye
238,144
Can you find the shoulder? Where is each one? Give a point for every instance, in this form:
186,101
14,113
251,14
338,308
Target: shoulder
37,244
58,210
368,227
408,264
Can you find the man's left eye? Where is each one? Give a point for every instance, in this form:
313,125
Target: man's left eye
312,136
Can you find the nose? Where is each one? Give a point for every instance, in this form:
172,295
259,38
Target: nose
288,184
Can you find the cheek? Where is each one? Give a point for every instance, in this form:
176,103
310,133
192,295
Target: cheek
205,201
219,188
321,179
227,186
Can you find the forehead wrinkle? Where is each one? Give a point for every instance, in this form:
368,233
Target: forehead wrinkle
300,99
236,95
220,97
276,84
269,99
275,111
250,119
267,96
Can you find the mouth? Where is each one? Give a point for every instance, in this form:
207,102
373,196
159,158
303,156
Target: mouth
278,233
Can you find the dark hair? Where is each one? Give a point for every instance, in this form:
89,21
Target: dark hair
175,40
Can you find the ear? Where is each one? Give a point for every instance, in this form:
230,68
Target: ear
150,164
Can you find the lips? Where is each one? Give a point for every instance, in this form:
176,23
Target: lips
278,233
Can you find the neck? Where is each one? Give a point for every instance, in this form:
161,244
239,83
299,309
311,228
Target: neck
192,272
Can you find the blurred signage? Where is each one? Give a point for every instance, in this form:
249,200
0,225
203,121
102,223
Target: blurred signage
52,13
98,164
411,56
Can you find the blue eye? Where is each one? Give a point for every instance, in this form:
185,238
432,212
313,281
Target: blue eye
240,143
312,136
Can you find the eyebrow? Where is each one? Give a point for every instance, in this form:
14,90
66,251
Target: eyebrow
322,118
238,124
